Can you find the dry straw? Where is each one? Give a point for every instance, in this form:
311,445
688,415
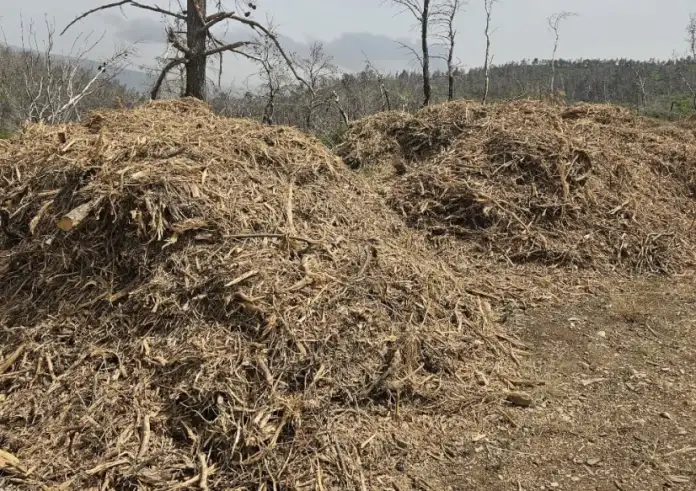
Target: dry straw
189,301
588,186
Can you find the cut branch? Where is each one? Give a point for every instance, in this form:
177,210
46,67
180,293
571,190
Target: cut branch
77,215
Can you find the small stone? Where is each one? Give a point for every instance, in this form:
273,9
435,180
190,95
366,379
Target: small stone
593,462
666,415
521,399
554,484
602,334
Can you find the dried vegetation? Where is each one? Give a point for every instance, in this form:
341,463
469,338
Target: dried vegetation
588,186
194,301
189,301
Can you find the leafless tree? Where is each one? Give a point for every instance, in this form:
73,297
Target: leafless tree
555,27
488,6
37,85
341,111
641,83
421,12
691,35
386,98
445,15
200,42
273,72
316,69
691,41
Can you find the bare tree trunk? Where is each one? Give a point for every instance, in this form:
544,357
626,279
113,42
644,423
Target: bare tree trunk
425,19
308,115
454,7
269,110
343,113
195,38
386,104
450,72
445,14
385,94
691,32
487,65
640,82
555,25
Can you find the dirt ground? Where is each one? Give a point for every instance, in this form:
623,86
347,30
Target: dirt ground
614,397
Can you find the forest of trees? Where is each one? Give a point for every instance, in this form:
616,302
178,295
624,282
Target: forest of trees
311,93
654,88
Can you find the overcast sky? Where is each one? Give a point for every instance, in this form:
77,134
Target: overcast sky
640,29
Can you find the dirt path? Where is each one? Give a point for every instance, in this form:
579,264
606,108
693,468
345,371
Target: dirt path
617,408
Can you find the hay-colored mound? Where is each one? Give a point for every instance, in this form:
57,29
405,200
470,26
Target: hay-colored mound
188,300
589,186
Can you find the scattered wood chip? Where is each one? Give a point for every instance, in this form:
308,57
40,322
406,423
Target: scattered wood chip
78,215
241,278
144,436
592,381
7,363
8,460
678,479
103,467
681,451
521,399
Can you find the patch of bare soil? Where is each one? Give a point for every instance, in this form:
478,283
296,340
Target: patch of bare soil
614,397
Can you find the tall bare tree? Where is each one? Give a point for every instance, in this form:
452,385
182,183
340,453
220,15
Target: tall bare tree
421,12
691,35
317,68
371,69
641,84
691,41
445,15
555,27
488,7
273,72
200,42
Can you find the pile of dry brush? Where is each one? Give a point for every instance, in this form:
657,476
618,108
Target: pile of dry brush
587,186
194,301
